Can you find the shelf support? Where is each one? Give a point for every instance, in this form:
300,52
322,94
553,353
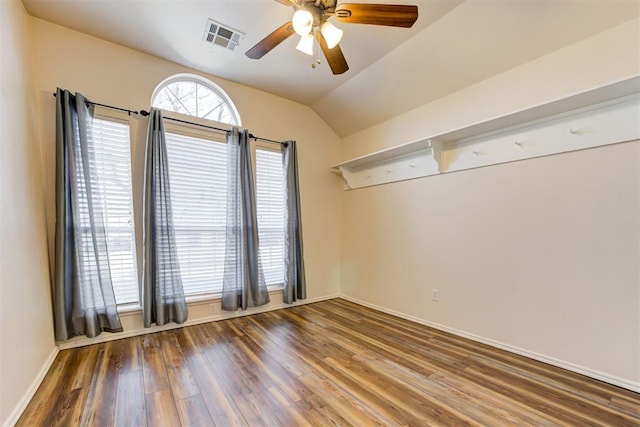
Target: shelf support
438,154
346,177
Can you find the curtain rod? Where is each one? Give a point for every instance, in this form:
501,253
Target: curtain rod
285,143
145,113
129,112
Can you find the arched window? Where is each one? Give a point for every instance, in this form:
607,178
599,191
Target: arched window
198,173
195,96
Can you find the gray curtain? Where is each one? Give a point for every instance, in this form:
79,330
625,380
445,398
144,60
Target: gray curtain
162,293
295,287
83,299
243,283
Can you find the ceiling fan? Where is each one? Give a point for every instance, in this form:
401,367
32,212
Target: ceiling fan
315,14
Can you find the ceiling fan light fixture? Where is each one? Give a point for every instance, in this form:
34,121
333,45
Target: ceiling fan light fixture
310,19
305,44
331,33
302,22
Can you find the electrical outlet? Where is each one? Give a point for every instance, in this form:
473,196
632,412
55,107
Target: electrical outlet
213,309
435,295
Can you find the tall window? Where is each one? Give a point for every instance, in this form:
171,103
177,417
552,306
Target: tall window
270,210
197,170
198,176
111,153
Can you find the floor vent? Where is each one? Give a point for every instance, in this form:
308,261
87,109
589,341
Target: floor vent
221,35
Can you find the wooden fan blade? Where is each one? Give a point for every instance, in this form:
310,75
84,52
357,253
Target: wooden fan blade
392,15
272,40
334,56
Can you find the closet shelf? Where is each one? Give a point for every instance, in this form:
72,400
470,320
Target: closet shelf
602,116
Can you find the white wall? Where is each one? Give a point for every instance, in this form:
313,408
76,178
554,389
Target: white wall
540,255
26,327
111,74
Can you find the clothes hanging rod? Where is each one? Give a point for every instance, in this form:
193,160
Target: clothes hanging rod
126,110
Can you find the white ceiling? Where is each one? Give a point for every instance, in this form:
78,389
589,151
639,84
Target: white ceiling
392,70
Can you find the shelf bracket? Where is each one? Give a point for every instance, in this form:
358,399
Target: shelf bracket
437,148
346,177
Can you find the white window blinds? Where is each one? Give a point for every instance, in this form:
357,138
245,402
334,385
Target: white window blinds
270,210
198,180
112,163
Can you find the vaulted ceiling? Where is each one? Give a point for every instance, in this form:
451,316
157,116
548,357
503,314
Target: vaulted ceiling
453,44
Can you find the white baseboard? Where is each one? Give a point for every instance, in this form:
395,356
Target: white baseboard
28,395
31,391
83,341
620,382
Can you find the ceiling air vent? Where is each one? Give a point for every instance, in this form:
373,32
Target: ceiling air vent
221,35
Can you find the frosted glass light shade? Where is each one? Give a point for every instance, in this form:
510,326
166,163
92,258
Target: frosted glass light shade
302,22
331,34
306,44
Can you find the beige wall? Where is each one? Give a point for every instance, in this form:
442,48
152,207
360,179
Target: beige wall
26,330
539,255
111,74
607,57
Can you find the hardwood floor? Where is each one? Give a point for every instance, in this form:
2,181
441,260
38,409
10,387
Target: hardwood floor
328,363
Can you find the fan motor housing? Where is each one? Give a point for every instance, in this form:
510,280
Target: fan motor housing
318,9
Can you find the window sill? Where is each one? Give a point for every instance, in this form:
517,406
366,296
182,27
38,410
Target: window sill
129,308
133,308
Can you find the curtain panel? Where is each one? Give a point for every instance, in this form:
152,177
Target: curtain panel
83,299
243,281
294,287
163,298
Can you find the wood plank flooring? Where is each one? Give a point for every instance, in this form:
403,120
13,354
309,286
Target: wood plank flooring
328,363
